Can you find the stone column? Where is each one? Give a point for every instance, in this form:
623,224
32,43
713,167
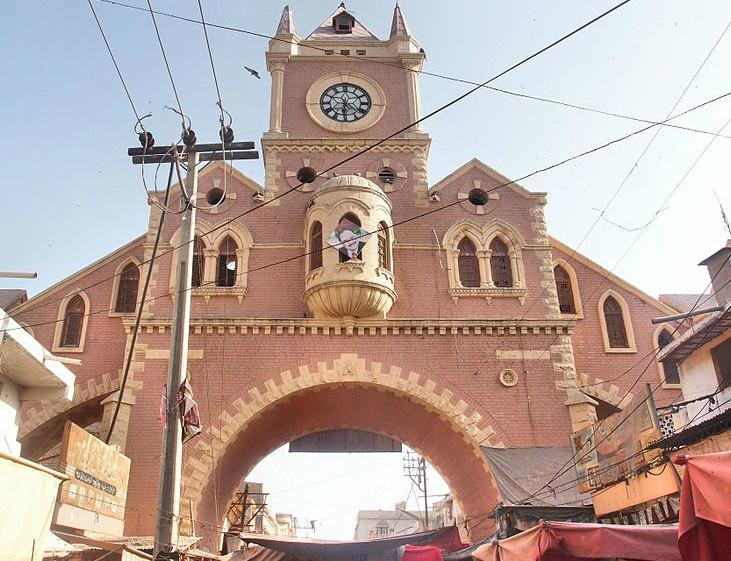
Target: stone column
412,64
121,426
276,68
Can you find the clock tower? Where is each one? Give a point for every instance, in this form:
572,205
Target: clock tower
335,92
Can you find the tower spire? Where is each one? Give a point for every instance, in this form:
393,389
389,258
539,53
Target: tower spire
399,28
286,22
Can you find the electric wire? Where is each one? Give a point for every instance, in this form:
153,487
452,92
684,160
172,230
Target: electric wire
224,223
360,58
165,58
442,108
138,317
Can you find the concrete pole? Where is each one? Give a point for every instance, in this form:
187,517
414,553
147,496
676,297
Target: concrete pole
426,500
168,501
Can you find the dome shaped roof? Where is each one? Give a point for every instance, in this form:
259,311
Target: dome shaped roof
341,181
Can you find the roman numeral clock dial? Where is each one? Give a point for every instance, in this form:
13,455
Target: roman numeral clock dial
345,103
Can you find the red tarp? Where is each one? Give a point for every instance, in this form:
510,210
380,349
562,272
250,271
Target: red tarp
422,553
705,507
567,541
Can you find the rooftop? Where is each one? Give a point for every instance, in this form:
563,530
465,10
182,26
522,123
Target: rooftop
687,302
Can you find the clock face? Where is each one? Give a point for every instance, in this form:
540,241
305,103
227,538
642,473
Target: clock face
345,103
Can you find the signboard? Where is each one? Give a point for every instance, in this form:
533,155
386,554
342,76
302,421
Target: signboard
97,485
345,440
615,447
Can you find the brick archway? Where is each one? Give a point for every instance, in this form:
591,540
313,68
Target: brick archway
347,394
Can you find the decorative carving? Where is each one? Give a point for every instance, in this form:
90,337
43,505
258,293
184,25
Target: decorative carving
508,378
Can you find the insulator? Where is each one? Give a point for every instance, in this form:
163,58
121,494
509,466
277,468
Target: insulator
226,134
146,139
189,138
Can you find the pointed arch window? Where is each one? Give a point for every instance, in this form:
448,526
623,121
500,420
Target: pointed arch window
502,275
227,263
316,246
383,246
670,368
349,216
614,320
73,322
199,262
469,268
565,291
129,280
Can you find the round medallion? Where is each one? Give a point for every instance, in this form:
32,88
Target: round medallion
345,103
508,377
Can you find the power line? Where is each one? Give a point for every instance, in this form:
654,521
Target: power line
390,227
167,64
116,66
423,72
434,112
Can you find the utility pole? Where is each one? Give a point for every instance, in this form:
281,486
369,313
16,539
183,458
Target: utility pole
415,469
168,500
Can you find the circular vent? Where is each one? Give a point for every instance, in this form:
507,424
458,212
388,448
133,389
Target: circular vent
387,176
215,196
477,197
306,175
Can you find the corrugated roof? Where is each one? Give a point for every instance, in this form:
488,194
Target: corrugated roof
687,302
695,433
710,327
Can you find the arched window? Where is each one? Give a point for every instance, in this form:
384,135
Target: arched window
469,269
670,368
614,320
565,291
383,245
315,246
73,322
129,280
349,217
227,265
199,262
502,275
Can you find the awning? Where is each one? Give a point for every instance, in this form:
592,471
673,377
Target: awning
337,550
705,511
566,541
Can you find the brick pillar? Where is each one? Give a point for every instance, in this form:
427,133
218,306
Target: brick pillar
121,426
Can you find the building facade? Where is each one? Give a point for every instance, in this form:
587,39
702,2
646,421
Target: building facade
460,322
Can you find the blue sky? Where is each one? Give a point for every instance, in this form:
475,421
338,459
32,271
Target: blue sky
70,194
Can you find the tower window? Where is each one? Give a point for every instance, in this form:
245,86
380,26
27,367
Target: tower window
502,275
73,322
315,246
616,330
469,269
564,290
387,176
360,52
227,265
345,52
129,281
347,222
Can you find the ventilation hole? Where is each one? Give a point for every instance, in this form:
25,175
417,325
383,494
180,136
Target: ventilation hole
477,197
387,175
215,196
306,175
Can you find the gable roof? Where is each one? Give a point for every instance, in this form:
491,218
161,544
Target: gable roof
108,258
686,302
214,165
473,164
326,32
584,260
10,297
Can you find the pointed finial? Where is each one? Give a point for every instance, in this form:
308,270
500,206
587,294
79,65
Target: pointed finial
286,22
399,28
342,5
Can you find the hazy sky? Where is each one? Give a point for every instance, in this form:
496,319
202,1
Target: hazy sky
70,194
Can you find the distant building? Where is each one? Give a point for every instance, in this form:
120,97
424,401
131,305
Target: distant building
11,297
374,524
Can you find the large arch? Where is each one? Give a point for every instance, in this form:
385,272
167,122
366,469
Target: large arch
346,394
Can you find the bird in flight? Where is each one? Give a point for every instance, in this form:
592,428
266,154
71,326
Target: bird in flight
253,72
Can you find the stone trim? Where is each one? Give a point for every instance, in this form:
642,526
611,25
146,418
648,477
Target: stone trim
578,304
370,327
87,390
61,320
348,369
115,288
606,391
660,365
626,317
